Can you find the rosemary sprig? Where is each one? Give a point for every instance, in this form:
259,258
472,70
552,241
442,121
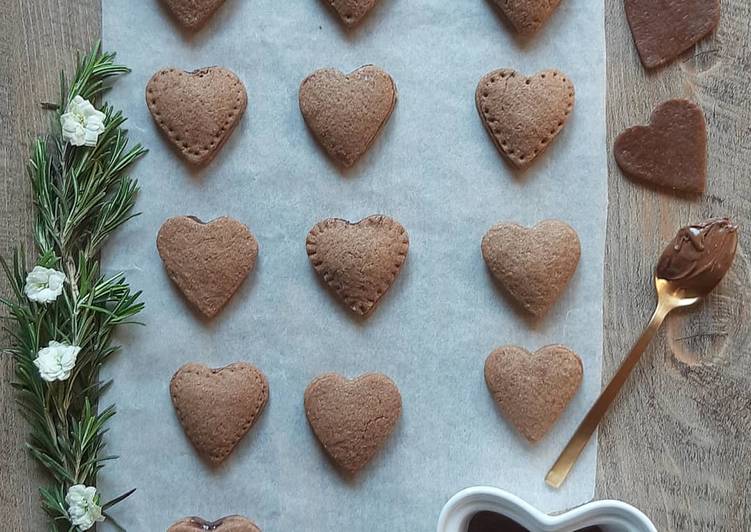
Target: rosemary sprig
81,196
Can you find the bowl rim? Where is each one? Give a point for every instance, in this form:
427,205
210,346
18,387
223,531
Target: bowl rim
469,501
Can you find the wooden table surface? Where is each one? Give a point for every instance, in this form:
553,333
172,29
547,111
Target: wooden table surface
678,442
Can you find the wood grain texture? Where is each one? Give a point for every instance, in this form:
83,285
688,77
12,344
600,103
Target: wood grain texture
37,37
677,443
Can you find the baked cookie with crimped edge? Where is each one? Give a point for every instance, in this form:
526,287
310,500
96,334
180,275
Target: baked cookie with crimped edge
196,111
359,261
524,114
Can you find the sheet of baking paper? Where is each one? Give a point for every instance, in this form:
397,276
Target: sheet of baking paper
434,169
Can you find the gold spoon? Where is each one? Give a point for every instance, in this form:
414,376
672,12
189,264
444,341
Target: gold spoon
689,268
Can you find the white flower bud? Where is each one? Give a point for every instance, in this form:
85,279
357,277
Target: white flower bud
83,507
43,285
56,361
82,123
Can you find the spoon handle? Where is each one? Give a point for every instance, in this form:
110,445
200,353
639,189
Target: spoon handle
587,427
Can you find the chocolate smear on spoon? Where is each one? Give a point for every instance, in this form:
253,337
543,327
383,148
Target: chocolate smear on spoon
700,255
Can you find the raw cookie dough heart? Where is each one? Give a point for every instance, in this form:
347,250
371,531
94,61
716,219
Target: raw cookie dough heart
671,152
526,16
198,110
533,265
346,112
231,523
533,389
360,261
217,407
207,261
352,418
523,115
665,29
351,11
193,13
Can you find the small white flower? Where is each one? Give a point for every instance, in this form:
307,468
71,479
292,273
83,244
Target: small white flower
43,285
56,361
83,507
82,123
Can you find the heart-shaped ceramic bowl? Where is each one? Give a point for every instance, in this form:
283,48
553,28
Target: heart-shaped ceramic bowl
610,516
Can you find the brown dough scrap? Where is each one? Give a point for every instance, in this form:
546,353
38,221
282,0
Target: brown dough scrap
670,152
352,418
345,112
533,265
524,114
193,14
533,389
231,523
217,407
359,261
527,16
197,111
207,261
664,29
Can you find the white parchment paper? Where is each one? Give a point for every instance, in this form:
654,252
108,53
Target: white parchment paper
434,169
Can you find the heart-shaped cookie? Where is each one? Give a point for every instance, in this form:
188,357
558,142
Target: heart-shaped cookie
352,418
345,112
671,152
533,389
524,114
533,265
197,111
358,260
207,261
231,523
526,16
217,407
351,12
193,13
665,29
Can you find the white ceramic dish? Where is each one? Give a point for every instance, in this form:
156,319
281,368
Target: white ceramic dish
610,516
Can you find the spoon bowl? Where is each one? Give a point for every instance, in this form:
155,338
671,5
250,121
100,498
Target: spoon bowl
675,296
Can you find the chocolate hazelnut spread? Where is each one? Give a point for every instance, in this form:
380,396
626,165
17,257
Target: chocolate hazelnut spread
230,523
202,524
494,522
699,256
